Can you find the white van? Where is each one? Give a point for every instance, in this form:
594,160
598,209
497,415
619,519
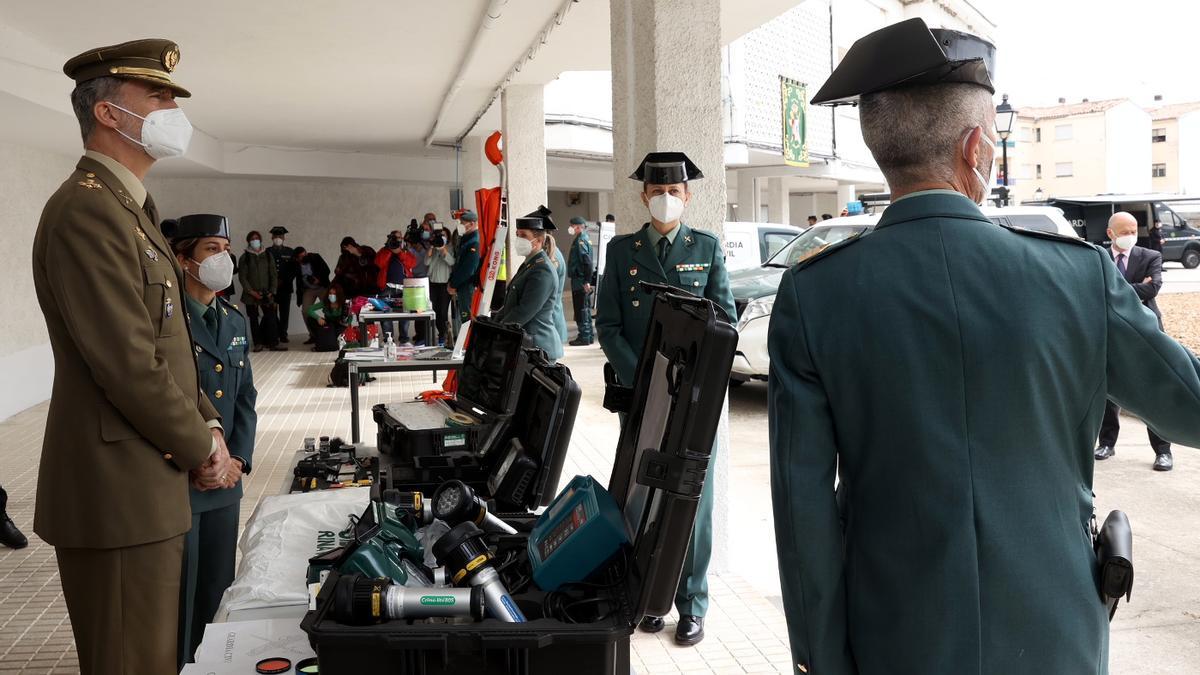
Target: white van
749,245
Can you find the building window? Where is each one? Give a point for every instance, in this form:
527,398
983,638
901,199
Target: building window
1158,170
1038,171
1158,135
1064,170
1026,135
1063,132
1037,135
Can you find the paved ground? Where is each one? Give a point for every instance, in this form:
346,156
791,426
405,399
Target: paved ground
1158,633
1176,279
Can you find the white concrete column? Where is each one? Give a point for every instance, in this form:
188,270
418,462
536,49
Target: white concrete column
748,197
474,170
778,206
604,205
845,195
524,123
666,79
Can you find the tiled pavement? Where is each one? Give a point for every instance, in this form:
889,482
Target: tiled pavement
745,631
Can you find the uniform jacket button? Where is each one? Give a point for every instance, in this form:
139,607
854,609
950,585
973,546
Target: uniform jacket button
219,368
170,284
241,364
218,393
168,456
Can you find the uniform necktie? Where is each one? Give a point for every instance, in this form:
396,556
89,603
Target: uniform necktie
1121,263
210,320
663,246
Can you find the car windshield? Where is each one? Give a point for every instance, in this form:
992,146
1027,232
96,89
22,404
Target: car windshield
812,242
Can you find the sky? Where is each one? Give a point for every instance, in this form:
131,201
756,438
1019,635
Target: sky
1048,49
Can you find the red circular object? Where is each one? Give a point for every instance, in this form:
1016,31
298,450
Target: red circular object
273,665
491,149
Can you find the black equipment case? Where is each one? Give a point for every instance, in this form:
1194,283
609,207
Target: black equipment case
661,466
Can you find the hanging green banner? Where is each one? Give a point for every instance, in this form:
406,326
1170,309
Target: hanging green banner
795,114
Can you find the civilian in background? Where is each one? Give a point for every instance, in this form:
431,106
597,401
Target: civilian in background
441,263
610,218
1141,268
812,220
312,278
826,216
356,272
1156,237
395,265
329,311
285,268
256,270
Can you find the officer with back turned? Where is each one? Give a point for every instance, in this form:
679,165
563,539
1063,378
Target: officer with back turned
949,375
664,251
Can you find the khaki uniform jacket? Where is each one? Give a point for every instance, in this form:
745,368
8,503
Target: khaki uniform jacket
126,419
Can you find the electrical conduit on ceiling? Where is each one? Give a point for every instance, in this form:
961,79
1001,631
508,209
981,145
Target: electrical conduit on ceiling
490,15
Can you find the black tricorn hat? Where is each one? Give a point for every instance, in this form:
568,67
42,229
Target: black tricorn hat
905,54
200,225
279,229
666,168
536,220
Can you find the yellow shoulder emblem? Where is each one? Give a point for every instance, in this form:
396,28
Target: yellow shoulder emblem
90,183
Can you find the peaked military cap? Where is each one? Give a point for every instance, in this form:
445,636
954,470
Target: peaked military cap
200,225
536,220
146,60
279,229
905,54
577,220
666,168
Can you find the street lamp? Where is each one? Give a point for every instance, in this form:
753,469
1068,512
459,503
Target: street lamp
1004,123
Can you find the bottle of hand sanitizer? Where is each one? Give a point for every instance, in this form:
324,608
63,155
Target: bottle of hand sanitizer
389,349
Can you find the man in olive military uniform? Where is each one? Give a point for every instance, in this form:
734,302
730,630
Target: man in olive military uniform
533,294
286,270
581,268
949,375
464,277
664,251
221,333
127,419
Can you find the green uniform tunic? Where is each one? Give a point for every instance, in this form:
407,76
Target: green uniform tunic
530,302
953,374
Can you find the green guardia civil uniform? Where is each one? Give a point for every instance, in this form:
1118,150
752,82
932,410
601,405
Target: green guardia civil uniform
952,374
220,332
695,262
530,302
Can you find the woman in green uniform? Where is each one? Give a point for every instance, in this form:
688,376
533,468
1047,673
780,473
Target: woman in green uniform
220,333
534,291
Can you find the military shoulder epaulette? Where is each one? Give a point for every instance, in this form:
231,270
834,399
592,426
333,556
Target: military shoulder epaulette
706,233
829,250
1052,236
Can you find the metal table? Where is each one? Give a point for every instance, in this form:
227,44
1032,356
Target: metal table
393,317
380,366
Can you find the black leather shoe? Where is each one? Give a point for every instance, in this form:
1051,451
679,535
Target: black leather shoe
1105,451
1164,462
10,536
310,341
579,343
652,624
284,340
690,630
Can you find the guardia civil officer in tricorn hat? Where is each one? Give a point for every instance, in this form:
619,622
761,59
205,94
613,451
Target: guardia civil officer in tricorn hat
221,334
952,373
127,420
534,294
664,251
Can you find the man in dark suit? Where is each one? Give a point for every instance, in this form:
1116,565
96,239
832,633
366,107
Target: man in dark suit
312,278
1142,269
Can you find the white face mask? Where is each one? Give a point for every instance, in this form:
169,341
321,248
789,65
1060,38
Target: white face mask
255,244
986,182
333,298
666,208
165,133
216,272
522,247
1125,243
278,241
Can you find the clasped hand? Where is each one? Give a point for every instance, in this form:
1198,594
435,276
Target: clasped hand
220,471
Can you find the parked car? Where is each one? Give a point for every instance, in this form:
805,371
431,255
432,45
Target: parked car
749,245
1181,241
754,289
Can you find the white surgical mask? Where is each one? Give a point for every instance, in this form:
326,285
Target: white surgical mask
1125,243
333,298
216,272
986,182
278,241
666,208
522,247
165,133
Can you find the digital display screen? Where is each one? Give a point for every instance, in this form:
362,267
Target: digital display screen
563,532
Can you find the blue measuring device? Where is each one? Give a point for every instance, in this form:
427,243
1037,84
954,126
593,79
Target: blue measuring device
578,533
